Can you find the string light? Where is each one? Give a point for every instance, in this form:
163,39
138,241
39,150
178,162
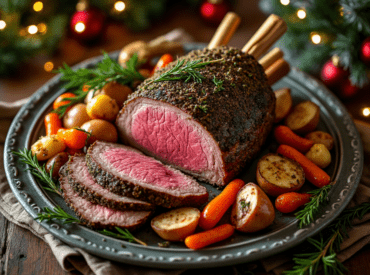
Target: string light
315,38
38,6
301,13
80,27
285,2
2,24
42,28
119,6
366,111
48,66
32,29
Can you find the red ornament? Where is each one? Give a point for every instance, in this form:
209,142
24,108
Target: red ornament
365,52
333,75
213,11
347,90
87,24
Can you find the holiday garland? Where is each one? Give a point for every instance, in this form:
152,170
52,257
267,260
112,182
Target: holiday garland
319,30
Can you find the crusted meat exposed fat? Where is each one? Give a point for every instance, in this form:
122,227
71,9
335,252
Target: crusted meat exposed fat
127,171
210,129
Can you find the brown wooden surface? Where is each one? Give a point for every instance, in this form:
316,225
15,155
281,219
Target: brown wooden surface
23,253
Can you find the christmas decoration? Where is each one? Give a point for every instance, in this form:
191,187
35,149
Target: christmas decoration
365,52
333,74
88,24
318,30
347,89
213,11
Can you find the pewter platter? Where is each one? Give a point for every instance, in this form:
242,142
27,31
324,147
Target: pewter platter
345,170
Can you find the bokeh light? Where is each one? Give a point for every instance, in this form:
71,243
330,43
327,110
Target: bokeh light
38,6
119,6
48,66
32,29
2,24
80,27
285,2
301,14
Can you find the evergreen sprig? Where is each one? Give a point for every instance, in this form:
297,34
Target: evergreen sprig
325,249
56,214
187,71
308,214
38,171
122,234
106,71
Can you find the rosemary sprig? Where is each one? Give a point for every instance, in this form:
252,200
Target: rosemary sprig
218,83
57,213
184,71
308,213
122,234
37,170
325,253
106,71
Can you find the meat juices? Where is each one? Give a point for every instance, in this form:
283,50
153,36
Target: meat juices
207,130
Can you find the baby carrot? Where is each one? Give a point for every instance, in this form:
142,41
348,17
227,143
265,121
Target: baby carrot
289,202
205,238
284,135
313,173
217,207
163,61
52,123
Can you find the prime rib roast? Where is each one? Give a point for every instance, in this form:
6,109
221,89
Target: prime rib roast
128,172
209,130
98,216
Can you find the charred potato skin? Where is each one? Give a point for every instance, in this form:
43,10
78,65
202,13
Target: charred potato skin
297,119
297,176
252,220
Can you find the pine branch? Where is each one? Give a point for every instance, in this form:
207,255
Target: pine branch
38,171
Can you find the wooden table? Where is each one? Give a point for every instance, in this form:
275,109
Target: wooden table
23,253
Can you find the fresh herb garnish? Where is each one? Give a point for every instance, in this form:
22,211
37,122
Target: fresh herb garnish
106,71
122,234
326,248
203,108
218,83
244,204
308,213
57,214
184,71
37,170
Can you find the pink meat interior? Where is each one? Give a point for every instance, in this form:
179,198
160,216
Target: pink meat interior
169,137
145,169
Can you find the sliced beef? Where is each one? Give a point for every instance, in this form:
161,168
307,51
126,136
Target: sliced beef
126,171
85,185
97,216
209,129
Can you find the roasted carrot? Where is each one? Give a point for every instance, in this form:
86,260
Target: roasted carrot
63,100
289,202
217,207
163,62
205,238
52,123
313,173
284,135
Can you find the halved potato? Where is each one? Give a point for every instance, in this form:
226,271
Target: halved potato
304,118
277,175
284,103
176,224
252,210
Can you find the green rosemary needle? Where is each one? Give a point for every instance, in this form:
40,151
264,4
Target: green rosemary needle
37,170
122,234
184,71
106,71
56,214
308,213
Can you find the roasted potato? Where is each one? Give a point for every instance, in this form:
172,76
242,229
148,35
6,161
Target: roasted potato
320,137
47,147
102,107
252,210
176,224
56,163
284,103
76,116
320,155
101,130
304,118
277,175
